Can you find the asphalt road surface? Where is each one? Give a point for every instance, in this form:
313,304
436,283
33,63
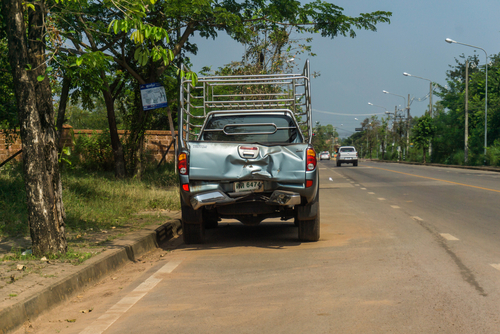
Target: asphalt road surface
403,249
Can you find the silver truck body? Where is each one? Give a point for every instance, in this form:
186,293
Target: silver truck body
244,153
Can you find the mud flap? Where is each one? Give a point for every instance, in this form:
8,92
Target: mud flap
309,211
190,215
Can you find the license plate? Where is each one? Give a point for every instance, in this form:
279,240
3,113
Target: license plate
248,186
348,158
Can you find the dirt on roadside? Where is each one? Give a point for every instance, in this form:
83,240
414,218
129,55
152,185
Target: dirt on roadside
23,276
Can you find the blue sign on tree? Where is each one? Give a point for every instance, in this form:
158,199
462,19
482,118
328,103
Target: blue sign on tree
153,96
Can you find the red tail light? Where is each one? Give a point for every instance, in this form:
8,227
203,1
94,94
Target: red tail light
311,159
182,164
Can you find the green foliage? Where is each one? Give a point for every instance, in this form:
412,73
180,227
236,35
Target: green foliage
423,131
64,156
451,119
13,210
90,119
324,137
493,154
93,152
8,106
71,256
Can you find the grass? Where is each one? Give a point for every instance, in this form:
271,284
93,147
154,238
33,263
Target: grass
93,201
71,256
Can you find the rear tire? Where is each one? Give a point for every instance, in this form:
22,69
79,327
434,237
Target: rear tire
338,164
309,230
355,163
193,233
193,230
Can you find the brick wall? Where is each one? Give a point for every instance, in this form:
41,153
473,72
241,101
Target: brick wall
156,143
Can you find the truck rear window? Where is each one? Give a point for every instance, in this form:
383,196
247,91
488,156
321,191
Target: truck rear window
347,149
251,129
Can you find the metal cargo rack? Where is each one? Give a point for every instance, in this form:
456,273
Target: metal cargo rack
244,93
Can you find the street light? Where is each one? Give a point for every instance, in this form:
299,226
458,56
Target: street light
430,89
386,92
377,106
449,40
430,104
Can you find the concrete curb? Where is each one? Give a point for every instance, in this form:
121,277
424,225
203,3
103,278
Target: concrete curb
120,252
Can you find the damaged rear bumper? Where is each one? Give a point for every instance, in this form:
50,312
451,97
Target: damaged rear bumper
219,198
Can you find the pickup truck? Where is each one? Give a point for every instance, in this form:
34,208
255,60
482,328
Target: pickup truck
245,153
347,154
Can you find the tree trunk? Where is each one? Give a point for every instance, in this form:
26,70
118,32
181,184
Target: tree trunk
423,151
36,117
136,135
119,156
61,113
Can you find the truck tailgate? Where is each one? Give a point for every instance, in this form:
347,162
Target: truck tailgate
348,155
223,162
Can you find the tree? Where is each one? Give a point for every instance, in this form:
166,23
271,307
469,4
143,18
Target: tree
451,119
8,110
422,133
323,137
371,127
148,40
383,134
27,58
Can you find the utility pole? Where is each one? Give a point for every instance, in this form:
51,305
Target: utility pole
430,114
408,127
466,148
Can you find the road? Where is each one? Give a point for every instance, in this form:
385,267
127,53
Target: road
403,249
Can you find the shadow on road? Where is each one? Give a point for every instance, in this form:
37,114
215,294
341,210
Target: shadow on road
270,234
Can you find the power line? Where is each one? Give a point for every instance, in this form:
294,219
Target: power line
340,114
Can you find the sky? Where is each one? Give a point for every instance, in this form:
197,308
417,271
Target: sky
356,71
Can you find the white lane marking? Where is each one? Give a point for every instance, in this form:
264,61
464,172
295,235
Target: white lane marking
356,185
495,265
363,188
381,199
330,179
417,218
395,207
117,310
371,193
449,237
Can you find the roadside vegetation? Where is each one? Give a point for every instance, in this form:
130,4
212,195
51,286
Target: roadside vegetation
444,130
94,201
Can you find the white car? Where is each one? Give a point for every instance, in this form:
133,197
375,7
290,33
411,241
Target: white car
325,155
347,154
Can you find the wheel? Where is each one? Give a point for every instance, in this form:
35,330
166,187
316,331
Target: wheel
309,230
193,230
338,164
355,163
193,233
